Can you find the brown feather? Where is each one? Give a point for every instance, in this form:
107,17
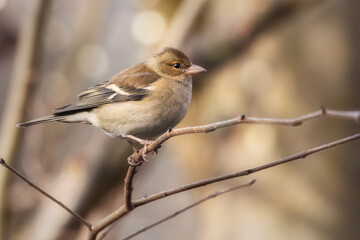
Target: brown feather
143,75
131,81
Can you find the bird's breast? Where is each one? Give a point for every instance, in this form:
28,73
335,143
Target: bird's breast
170,106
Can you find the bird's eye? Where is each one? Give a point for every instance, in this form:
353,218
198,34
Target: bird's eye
176,65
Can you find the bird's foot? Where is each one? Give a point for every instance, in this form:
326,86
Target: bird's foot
132,160
145,152
143,142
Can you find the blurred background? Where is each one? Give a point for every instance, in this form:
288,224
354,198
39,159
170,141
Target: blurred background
265,58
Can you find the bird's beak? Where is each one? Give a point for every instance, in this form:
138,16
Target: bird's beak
194,69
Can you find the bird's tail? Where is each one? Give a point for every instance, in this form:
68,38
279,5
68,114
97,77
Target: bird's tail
51,118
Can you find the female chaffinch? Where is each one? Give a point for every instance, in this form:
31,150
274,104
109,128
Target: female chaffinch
141,102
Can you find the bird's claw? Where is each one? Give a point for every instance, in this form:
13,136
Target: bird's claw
132,160
155,154
144,151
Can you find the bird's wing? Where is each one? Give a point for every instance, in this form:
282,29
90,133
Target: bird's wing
129,85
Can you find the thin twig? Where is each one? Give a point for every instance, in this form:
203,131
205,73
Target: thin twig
128,187
33,185
223,191
292,122
128,205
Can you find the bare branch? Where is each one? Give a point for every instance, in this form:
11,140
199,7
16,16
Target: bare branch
128,187
121,211
127,207
292,122
223,191
43,192
136,160
248,171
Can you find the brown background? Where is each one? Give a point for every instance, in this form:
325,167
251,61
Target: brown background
265,58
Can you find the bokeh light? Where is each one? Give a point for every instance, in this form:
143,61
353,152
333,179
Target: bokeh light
148,27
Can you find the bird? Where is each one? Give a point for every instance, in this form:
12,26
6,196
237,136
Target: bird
137,104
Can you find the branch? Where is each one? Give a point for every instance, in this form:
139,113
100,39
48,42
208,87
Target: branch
137,158
43,192
128,187
245,172
292,122
223,191
120,212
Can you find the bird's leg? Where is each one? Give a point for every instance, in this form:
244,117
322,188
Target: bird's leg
133,146
132,156
146,143
133,163
139,140
144,153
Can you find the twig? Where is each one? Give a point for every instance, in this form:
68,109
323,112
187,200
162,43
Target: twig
292,122
120,212
33,185
128,187
223,191
137,158
127,207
